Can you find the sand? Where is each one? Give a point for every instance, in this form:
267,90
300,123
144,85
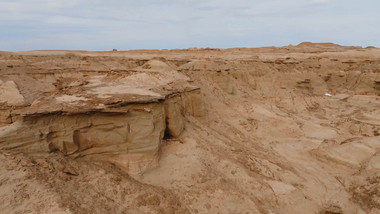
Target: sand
267,130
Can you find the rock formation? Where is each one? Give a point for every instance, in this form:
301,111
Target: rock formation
120,118
292,129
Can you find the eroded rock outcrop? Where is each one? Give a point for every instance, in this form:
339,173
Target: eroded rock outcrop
118,118
288,130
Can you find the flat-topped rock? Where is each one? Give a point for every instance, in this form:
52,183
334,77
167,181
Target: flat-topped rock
118,117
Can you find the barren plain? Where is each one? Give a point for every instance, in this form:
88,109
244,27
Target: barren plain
272,130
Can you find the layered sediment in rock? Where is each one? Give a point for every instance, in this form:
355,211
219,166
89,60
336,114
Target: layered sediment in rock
121,118
293,129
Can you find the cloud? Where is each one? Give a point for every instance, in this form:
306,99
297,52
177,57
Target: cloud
320,1
107,24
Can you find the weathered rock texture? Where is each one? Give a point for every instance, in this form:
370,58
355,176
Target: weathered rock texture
120,118
268,130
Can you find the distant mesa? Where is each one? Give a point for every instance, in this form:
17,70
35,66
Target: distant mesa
312,44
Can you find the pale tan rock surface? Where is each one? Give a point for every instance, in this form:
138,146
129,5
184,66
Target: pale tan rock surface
115,117
268,130
9,94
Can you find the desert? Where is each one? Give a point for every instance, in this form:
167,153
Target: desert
292,129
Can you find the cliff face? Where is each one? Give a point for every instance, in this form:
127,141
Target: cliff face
130,137
121,118
268,130
125,137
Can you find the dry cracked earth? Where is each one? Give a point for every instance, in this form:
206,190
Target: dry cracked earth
271,130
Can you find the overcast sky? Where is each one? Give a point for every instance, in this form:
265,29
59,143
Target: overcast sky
141,24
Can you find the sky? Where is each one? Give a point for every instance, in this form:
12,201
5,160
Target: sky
169,24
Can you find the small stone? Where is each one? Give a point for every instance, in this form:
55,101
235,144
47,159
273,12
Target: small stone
25,163
70,171
42,162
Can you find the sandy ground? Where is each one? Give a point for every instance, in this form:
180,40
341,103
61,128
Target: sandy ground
283,130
